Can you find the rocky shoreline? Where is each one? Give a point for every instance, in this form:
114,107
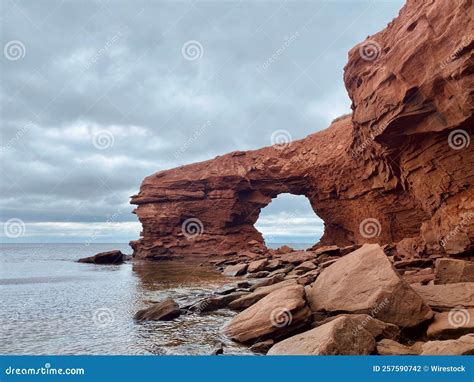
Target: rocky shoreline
349,300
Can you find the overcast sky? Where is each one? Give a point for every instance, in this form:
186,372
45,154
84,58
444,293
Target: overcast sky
96,95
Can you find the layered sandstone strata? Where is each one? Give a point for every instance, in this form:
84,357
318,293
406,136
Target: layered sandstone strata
400,167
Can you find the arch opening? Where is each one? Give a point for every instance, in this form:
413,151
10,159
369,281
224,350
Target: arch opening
290,220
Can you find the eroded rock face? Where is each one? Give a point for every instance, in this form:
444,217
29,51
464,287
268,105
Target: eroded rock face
400,166
364,281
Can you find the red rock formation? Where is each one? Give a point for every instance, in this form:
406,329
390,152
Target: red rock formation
400,167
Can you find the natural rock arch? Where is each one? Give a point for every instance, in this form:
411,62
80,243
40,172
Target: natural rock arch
221,198
395,162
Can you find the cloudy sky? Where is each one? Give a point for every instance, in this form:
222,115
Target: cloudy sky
96,95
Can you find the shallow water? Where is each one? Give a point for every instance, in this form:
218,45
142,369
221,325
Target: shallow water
53,305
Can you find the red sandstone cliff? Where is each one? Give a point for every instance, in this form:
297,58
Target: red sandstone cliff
400,167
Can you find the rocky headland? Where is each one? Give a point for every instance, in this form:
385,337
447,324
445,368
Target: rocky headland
393,272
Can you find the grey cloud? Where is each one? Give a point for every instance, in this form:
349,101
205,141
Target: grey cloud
118,66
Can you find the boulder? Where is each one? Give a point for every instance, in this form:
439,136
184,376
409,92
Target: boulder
452,324
273,264
103,258
364,281
461,346
327,263
249,299
448,271
390,347
286,269
421,275
330,250
258,275
296,257
308,277
247,255
212,303
162,311
284,249
447,296
377,328
279,313
257,265
304,267
334,338
235,270
262,347
268,281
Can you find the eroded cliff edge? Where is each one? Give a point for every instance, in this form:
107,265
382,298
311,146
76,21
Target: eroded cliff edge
399,169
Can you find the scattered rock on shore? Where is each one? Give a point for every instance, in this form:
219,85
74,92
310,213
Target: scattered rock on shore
262,347
279,313
235,270
257,265
249,299
162,311
364,281
209,304
340,336
448,271
109,257
461,346
377,328
447,296
390,347
452,324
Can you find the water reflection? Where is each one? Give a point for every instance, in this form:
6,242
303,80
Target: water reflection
185,282
53,305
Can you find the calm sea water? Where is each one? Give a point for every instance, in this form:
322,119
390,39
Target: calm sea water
54,305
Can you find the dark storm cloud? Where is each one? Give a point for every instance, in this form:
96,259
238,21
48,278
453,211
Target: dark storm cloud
104,94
